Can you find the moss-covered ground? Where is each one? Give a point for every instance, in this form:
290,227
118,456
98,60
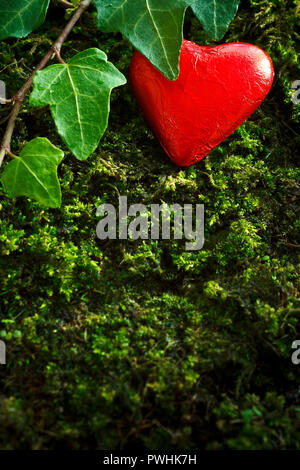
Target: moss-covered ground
126,344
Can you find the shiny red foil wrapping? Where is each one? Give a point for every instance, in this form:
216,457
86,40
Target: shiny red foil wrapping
217,90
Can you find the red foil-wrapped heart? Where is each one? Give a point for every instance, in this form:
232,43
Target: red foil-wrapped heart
216,91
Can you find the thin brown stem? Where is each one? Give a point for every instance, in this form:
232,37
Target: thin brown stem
18,98
5,101
58,56
5,146
66,4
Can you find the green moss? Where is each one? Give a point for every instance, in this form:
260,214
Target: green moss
128,343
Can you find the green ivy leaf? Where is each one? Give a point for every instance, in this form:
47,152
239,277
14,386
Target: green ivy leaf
215,15
34,173
79,97
18,18
154,27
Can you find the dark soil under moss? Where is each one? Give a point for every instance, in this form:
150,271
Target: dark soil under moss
143,344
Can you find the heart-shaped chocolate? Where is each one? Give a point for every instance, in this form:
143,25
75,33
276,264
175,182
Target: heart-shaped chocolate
217,90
